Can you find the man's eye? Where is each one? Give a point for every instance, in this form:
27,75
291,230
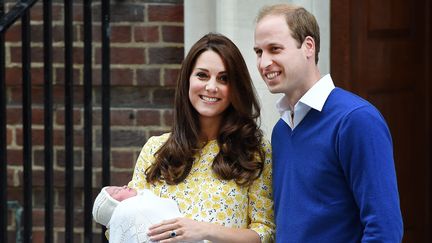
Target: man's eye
275,48
258,53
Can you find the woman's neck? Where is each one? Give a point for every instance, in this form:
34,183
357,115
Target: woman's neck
209,128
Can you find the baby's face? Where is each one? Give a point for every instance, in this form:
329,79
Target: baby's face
121,193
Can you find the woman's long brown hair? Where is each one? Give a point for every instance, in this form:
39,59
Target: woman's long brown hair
241,156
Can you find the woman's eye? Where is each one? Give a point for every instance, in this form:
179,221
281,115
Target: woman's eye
224,78
201,75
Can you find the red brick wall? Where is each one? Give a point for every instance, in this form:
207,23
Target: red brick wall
146,52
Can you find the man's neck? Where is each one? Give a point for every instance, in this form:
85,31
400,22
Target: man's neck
308,83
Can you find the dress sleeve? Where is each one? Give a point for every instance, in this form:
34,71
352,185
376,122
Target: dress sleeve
261,201
366,155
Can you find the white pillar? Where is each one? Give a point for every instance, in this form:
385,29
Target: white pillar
236,20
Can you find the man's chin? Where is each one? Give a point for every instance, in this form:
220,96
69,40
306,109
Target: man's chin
274,90
273,87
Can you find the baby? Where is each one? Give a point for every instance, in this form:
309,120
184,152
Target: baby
128,213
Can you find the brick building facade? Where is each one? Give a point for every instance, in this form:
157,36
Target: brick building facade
146,51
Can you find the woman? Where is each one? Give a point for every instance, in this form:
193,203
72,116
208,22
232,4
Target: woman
215,162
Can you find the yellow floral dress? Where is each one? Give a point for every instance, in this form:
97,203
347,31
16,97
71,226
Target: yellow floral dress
202,196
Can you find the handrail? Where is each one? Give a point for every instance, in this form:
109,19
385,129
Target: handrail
15,13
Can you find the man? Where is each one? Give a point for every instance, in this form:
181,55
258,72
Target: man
333,171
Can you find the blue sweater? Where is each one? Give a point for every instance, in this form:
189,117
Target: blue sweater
334,176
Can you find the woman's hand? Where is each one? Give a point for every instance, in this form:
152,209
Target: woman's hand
178,229
184,229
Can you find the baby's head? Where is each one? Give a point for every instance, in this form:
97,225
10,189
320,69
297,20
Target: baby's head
120,193
107,200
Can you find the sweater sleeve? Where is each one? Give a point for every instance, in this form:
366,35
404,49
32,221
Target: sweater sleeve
366,155
261,202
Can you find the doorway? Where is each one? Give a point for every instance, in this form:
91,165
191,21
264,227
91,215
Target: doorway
381,51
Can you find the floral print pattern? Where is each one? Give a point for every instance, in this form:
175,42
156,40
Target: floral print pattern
203,196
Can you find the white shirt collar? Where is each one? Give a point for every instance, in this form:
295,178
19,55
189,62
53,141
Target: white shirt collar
314,98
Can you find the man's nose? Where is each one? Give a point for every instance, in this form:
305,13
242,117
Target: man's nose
265,61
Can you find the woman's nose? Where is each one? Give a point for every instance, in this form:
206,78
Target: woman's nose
211,86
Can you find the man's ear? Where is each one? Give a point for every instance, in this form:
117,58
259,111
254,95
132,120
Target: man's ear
309,47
